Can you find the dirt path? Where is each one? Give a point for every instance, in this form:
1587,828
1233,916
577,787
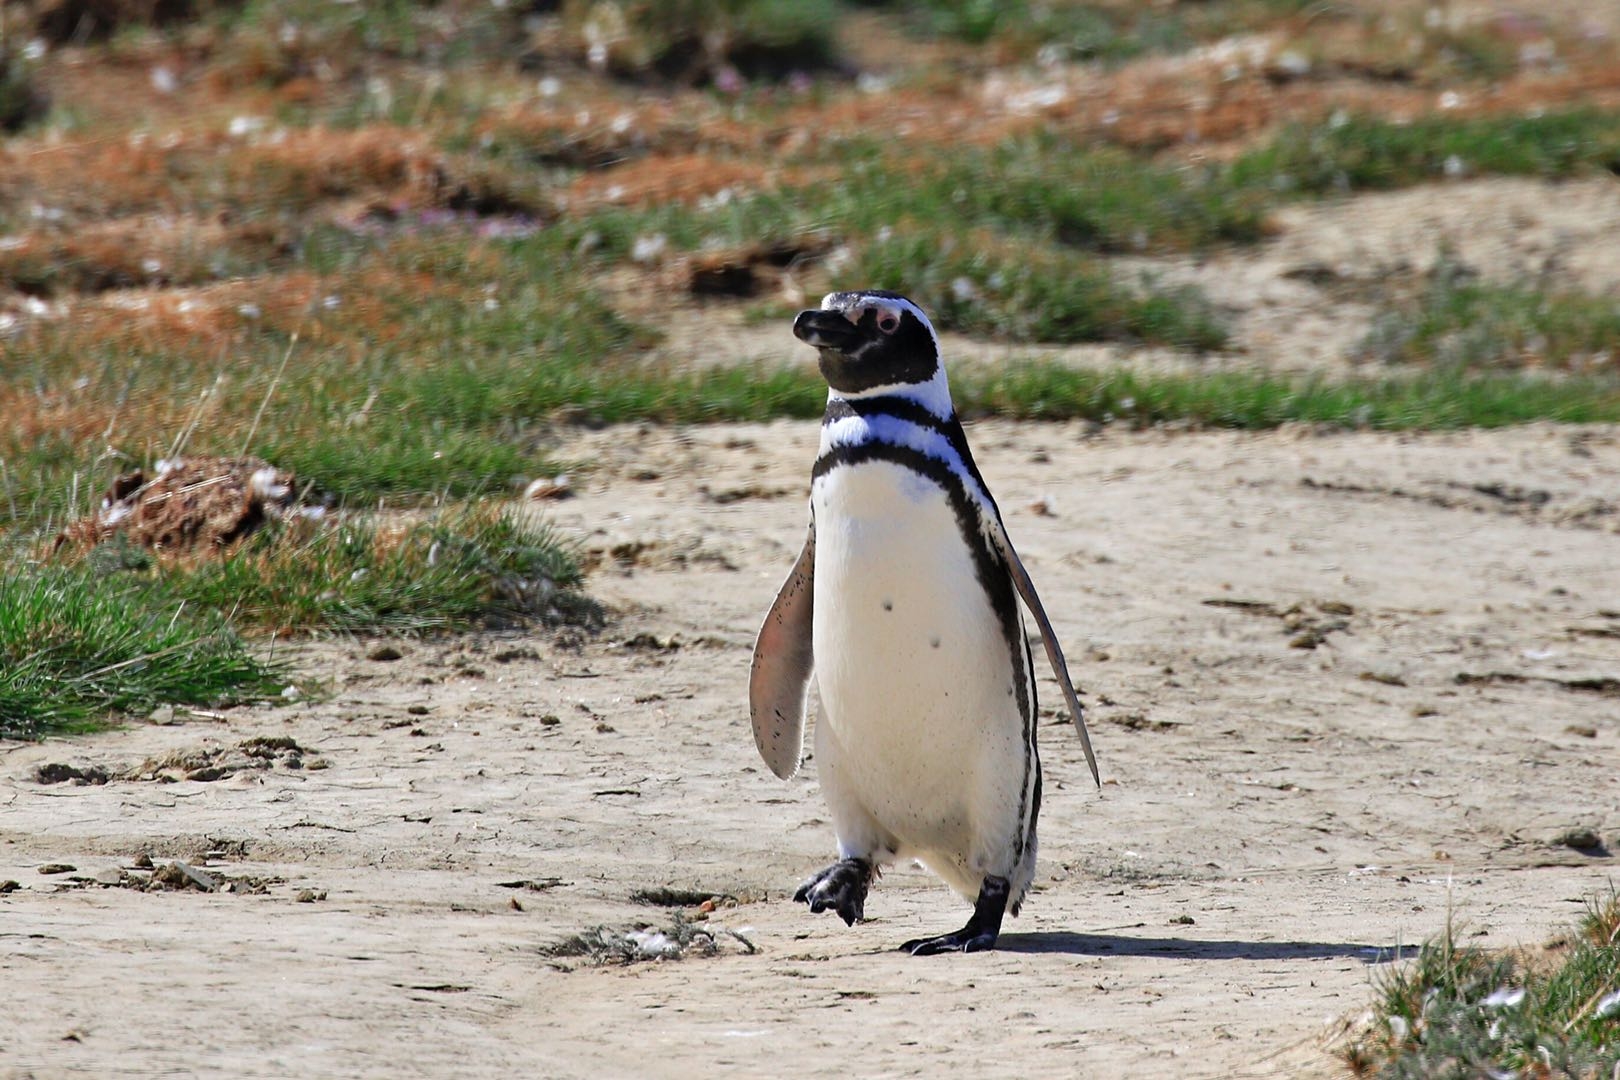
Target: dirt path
1274,819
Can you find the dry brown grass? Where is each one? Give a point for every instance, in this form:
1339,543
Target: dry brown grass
139,251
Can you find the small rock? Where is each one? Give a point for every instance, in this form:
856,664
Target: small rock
57,868
384,653
1308,638
109,875
1583,730
177,875
550,720
9,886
58,773
163,714
1581,839
653,642
309,896
524,652
549,487
1182,920
418,710
143,861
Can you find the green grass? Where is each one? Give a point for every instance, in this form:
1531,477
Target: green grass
453,570
1457,1013
1458,322
122,631
1439,399
76,646
22,101
1363,153
1097,198
993,289
1088,31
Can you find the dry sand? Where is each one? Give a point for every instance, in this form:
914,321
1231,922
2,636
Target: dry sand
1274,820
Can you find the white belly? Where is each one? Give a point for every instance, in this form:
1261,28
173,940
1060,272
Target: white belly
921,727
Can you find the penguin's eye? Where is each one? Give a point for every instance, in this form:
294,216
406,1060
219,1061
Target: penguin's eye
888,322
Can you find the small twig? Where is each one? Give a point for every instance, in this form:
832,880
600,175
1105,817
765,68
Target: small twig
1580,1014
184,437
269,392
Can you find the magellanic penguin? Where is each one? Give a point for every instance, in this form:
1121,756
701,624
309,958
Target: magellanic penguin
904,603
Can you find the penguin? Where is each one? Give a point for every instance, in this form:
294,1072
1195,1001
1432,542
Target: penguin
904,605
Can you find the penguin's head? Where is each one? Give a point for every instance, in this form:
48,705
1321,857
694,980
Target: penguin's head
870,340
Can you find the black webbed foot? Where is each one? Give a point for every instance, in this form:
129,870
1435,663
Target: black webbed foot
981,930
841,887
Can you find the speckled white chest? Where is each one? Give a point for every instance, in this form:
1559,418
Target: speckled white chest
920,730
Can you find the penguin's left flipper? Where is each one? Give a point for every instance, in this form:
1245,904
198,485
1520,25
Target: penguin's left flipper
1054,651
783,657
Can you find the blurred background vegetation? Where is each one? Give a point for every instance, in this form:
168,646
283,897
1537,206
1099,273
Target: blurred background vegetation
396,249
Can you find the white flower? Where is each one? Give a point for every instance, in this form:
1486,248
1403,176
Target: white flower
647,249
1504,998
652,943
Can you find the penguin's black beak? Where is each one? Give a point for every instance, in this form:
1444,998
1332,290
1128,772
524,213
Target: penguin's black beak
825,329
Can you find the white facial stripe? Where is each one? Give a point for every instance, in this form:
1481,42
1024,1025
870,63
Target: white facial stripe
850,306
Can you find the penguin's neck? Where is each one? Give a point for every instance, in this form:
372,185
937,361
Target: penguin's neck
933,396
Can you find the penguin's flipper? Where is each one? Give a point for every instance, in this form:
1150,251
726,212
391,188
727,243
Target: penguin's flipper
1054,651
783,656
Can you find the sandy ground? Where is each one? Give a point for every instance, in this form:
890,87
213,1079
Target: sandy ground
1274,820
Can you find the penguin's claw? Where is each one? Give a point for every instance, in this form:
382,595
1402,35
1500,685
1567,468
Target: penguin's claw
962,940
841,887
982,929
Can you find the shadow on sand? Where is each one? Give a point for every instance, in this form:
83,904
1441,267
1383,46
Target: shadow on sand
1194,949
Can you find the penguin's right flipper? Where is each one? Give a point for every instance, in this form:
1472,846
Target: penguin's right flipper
783,657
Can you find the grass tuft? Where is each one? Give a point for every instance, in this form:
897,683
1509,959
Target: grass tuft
1458,1012
458,568
1438,399
1456,321
1362,153
76,645
997,289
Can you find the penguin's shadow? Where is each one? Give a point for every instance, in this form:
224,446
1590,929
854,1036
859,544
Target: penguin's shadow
1062,941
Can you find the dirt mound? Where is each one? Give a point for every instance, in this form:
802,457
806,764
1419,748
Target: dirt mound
192,504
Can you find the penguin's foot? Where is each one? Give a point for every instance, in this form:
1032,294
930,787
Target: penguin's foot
981,930
841,887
